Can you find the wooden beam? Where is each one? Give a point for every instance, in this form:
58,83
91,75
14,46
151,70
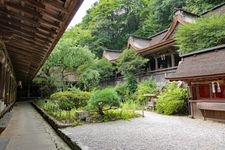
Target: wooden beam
20,8
18,23
31,12
27,45
25,48
32,41
25,35
23,31
28,19
21,51
20,26
55,6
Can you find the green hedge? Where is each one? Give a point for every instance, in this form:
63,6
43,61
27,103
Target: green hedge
206,32
172,100
71,99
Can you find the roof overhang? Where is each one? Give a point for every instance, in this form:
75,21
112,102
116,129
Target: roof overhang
204,64
30,30
157,47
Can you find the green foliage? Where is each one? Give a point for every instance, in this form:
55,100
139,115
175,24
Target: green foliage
104,99
130,62
130,105
200,6
70,99
53,109
157,15
125,112
122,91
118,115
172,100
131,83
145,87
103,66
89,79
206,32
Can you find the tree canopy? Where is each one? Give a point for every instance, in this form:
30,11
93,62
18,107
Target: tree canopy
206,32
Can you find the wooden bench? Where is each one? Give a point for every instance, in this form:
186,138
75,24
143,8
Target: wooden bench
209,109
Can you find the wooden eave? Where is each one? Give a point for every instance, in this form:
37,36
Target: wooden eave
197,78
166,40
157,46
35,27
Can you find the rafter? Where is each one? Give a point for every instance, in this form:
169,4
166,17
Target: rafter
23,31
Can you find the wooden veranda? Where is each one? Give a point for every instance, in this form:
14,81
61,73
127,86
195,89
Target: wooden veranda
29,30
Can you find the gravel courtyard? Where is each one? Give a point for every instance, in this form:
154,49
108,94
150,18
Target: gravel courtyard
153,132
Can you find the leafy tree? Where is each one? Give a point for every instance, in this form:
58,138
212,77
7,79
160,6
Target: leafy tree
200,6
104,67
111,22
104,100
89,79
129,63
193,37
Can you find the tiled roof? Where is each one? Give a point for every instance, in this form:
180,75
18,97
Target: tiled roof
140,43
207,62
111,55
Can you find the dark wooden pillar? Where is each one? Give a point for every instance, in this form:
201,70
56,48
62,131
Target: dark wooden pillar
172,60
156,64
4,84
28,90
1,80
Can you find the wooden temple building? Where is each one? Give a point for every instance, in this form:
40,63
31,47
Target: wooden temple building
161,48
29,30
204,73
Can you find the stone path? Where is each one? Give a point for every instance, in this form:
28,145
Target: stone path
28,131
153,132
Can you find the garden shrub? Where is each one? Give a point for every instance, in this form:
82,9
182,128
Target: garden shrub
122,91
119,114
129,105
204,33
145,87
104,99
72,99
172,100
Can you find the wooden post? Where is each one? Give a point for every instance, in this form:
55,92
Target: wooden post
172,60
28,90
156,64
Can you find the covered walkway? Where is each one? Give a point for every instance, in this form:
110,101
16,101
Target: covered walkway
28,131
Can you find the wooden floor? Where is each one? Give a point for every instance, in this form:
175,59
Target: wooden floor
28,131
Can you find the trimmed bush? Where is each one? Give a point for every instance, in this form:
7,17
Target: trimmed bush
71,99
206,32
145,87
104,99
172,100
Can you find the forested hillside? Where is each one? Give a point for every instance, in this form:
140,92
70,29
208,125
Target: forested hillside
109,22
